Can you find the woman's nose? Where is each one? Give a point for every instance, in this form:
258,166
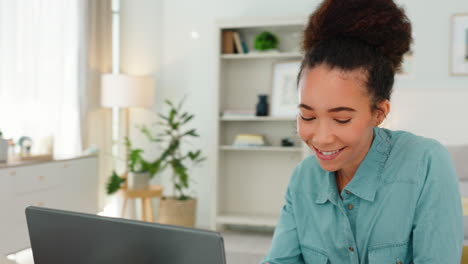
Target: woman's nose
322,136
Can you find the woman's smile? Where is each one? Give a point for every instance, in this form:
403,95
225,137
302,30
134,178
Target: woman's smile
328,154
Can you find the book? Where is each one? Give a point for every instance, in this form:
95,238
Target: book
228,42
249,140
238,43
244,47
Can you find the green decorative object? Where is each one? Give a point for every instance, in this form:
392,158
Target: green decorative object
114,182
266,41
136,164
172,138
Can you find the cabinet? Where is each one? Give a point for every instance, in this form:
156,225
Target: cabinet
251,181
61,184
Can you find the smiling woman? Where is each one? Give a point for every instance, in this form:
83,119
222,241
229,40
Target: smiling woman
368,195
338,129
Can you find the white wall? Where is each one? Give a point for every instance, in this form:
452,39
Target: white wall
156,39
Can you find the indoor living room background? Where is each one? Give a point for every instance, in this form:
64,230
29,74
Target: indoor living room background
66,134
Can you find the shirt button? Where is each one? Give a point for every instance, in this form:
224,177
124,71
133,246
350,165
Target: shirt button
350,206
351,249
347,192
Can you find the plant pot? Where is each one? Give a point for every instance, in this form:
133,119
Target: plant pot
175,212
3,150
138,180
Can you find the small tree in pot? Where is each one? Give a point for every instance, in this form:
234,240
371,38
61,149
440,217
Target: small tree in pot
140,171
180,208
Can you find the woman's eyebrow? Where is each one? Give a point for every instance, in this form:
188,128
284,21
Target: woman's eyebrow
336,109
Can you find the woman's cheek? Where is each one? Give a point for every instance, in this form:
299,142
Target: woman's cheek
304,131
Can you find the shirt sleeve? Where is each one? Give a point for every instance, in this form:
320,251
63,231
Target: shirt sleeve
285,247
438,222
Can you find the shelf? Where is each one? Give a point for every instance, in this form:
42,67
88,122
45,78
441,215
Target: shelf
292,55
257,118
267,148
256,22
240,79
268,221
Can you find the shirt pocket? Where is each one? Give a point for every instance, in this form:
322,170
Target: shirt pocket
314,256
391,254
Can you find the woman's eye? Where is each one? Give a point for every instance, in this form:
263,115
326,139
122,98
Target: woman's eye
307,119
342,121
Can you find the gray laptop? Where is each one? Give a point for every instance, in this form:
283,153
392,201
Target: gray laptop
59,237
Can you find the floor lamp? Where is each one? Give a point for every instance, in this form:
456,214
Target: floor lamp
121,92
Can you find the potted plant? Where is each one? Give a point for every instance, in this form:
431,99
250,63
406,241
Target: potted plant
266,41
180,208
140,171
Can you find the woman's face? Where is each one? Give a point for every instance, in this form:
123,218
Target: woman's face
335,118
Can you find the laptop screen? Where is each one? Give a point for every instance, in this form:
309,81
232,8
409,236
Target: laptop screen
59,237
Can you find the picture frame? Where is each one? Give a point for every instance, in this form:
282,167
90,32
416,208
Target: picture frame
459,45
284,90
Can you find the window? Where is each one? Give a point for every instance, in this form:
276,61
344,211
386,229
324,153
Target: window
39,72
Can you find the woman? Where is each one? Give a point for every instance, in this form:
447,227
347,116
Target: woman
369,195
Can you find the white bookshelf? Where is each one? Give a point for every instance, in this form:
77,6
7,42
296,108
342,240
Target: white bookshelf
256,118
266,148
251,181
279,55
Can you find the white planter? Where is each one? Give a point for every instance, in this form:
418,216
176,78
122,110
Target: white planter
138,180
3,150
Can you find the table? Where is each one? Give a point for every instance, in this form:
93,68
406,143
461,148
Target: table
146,196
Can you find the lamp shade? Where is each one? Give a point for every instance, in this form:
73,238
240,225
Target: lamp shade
119,90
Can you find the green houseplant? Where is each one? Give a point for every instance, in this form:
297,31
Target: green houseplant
140,171
266,41
178,209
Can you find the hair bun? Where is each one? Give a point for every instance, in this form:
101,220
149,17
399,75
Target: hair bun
379,23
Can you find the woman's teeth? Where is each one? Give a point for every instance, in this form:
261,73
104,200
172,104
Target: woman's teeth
327,153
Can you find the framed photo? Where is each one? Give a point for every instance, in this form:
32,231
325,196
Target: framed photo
284,94
459,45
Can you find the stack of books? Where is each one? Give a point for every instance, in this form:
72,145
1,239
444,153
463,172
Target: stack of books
249,140
233,43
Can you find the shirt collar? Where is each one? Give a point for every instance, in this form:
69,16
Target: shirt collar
367,178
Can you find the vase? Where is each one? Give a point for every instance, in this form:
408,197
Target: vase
177,212
138,180
262,105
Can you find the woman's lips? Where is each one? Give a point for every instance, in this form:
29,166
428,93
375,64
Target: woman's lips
331,156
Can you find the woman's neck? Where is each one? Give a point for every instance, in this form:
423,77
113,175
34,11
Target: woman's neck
346,174
342,179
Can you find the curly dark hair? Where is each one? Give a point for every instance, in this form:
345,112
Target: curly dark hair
371,35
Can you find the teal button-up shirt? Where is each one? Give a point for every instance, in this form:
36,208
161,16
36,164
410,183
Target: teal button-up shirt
402,206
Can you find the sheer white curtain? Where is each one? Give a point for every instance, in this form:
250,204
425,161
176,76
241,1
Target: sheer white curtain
39,71
96,28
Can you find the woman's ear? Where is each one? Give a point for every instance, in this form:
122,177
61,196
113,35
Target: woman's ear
383,109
